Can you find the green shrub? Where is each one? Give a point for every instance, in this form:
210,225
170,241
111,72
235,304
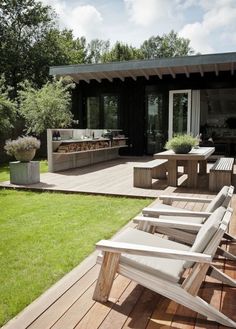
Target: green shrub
181,143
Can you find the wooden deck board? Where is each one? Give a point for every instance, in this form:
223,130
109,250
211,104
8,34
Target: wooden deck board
113,177
68,304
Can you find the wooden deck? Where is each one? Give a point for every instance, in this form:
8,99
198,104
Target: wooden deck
68,304
112,177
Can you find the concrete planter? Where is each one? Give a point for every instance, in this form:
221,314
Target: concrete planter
25,155
24,173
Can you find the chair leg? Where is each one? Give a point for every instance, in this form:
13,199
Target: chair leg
229,237
106,276
218,275
195,303
144,226
225,253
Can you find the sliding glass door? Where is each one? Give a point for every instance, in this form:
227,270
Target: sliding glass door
179,112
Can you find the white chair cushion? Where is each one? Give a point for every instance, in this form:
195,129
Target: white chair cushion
219,200
170,269
206,233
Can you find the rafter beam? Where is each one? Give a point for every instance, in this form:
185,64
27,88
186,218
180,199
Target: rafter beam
158,73
232,68
132,76
120,76
171,72
186,71
145,74
75,79
216,70
86,80
201,70
106,76
92,76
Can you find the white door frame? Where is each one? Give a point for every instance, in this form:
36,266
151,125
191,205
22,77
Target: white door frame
171,97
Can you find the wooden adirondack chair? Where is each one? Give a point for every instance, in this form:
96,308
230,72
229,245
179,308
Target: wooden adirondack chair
182,224
159,264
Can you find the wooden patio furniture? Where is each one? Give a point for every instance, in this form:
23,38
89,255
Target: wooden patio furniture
158,264
190,161
221,173
182,224
144,172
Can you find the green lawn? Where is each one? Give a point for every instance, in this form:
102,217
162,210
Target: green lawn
45,235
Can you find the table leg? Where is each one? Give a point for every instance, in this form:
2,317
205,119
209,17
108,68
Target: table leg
172,173
192,173
202,167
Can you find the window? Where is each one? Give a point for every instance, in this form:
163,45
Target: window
93,112
102,111
110,111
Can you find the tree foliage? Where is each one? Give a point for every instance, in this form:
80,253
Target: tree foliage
121,52
60,47
168,45
48,107
30,42
7,109
96,49
23,24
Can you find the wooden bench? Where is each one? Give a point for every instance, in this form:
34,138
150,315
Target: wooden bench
144,172
221,173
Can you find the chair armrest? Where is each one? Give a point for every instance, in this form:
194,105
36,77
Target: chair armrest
143,250
170,223
155,212
168,199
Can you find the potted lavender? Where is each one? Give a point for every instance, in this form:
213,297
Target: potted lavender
23,148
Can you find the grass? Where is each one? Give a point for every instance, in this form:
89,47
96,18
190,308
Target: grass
45,235
5,175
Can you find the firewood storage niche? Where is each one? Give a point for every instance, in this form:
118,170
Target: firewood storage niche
72,148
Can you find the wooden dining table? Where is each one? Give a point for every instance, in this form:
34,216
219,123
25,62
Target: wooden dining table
190,162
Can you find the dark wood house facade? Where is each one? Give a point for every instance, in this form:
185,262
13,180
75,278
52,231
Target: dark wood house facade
151,100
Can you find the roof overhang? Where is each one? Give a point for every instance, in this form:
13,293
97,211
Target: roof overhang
173,66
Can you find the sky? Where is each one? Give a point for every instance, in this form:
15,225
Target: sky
209,24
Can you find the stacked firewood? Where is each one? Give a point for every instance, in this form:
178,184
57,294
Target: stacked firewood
82,146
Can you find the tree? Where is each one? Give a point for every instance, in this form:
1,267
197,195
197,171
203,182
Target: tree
56,48
48,107
121,52
96,49
23,23
7,109
168,45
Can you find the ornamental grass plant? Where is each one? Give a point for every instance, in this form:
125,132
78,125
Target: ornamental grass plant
181,143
